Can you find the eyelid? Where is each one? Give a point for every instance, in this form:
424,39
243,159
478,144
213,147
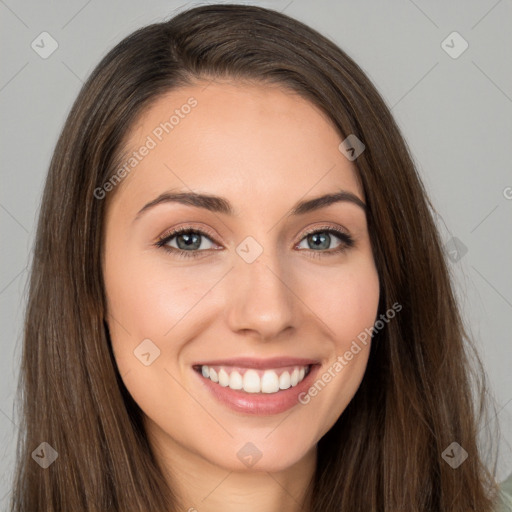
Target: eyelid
324,227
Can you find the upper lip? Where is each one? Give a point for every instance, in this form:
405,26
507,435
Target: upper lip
249,362
261,364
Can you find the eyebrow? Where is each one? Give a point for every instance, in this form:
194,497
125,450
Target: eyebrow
219,204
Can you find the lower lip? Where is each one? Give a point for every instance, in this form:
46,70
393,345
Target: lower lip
259,403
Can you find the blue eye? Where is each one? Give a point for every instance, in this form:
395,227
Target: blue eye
321,237
189,241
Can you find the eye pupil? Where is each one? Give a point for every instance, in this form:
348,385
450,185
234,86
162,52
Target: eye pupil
320,240
191,240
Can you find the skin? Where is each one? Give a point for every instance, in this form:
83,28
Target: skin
262,148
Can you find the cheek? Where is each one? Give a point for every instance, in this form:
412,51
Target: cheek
344,298
148,299
354,307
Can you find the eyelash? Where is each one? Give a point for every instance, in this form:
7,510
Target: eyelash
346,239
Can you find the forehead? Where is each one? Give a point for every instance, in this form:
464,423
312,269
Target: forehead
245,141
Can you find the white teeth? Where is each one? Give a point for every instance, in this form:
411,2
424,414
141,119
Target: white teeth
284,381
252,382
223,378
236,381
270,382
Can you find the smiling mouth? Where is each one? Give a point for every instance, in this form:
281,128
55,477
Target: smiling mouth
255,381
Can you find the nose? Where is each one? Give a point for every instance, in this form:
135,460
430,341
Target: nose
260,298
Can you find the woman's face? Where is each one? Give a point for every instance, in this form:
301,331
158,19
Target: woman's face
248,297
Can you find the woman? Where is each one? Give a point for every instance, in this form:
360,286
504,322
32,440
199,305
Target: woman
239,298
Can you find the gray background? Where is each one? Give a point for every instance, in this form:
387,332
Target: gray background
454,112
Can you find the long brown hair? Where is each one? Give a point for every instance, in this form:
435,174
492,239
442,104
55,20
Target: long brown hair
421,390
